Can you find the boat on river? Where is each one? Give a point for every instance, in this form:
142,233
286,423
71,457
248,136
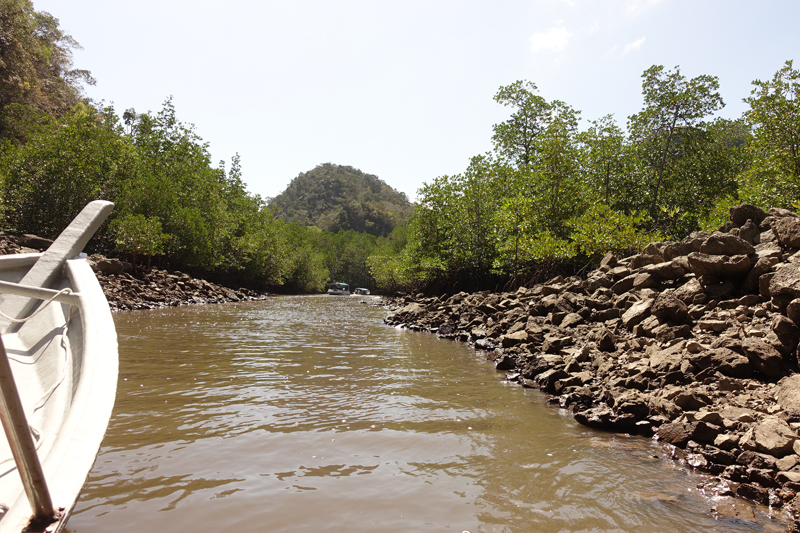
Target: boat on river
58,376
339,289
361,291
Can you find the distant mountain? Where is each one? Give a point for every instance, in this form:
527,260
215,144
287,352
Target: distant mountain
335,197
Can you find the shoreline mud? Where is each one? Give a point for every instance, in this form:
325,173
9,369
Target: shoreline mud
694,343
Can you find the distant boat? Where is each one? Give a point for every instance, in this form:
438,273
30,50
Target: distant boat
58,376
339,289
361,291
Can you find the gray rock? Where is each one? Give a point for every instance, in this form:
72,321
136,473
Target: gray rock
624,285
695,240
679,434
762,266
750,232
723,360
34,241
689,291
640,260
716,326
513,339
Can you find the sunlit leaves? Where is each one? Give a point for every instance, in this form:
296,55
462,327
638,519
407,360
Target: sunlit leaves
601,229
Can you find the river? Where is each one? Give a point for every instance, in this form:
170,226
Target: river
308,414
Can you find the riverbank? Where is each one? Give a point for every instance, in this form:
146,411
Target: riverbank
692,342
129,288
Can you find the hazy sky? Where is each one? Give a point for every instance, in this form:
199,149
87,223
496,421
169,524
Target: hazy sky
403,90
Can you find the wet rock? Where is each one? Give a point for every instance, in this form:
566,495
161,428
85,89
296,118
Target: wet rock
679,433
603,417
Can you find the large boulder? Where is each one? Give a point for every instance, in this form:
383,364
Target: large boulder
741,213
772,436
637,312
721,266
786,281
668,308
667,270
679,433
726,244
723,360
787,231
763,356
34,241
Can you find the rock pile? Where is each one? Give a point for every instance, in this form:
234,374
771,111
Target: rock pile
159,288
128,289
695,342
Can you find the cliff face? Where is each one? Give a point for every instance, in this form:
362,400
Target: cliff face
695,342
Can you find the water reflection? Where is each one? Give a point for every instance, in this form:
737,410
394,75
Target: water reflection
308,414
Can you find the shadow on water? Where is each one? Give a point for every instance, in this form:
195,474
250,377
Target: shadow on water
309,414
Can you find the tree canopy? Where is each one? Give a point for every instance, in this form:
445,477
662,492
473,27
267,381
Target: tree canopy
335,197
549,193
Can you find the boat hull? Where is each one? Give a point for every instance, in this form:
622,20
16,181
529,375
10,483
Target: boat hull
67,388
59,379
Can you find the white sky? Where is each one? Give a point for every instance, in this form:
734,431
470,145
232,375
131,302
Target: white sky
403,90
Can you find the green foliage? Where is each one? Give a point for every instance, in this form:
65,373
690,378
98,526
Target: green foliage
346,253
606,162
514,139
546,193
775,117
334,197
545,246
673,146
307,271
601,229
36,62
139,235
63,166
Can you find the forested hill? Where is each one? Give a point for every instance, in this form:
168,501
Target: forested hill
335,197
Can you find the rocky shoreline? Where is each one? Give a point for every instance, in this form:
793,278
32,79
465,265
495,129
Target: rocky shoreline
692,342
127,288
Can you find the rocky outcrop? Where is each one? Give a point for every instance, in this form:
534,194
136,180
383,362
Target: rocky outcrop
694,342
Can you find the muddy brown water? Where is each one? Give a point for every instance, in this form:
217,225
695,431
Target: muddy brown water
308,414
